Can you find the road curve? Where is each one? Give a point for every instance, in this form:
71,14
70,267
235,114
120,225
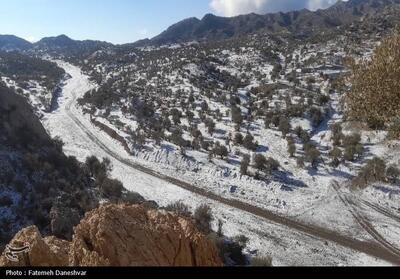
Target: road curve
376,250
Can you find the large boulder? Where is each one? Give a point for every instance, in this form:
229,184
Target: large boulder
44,252
122,235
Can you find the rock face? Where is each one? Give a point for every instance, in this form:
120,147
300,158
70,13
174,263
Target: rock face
121,235
43,252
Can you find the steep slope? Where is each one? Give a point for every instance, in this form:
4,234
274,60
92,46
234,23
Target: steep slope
17,114
121,235
38,183
36,79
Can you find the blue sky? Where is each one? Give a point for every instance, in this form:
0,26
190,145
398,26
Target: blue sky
122,21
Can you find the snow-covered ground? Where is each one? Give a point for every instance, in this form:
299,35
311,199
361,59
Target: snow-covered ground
38,96
318,203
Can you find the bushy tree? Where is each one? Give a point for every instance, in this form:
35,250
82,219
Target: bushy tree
98,170
244,165
353,147
374,96
133,198
237,117
238,139
260,162
210,124
393,174
179,208
272,165
336,155
249,143
316,116
291,147
373,171
394,129
203,218
284,126
220,150
312,155
352,139
300,162
337,134
111,188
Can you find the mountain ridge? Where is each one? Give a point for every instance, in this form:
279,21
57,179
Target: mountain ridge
213,28
300,22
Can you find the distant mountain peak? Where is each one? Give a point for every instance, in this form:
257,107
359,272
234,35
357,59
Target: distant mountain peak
209,16
212,27
11,42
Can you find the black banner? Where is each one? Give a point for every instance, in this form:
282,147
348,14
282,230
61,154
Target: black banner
185,272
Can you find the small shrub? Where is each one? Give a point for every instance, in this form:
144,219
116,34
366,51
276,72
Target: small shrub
272,165
312,155
284,126
234,252
300,162
373,171
337,134
393,174
99,170
304,136
352,139
220,150
133,198
244,165
353,147
180,209
203,218
238,139
111,188
394,129
260,162
292,149
249,143
336,155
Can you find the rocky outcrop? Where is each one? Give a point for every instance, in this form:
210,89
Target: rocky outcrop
43,252
122,235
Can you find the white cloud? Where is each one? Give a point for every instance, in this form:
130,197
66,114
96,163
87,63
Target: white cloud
236,7
318,4
31,39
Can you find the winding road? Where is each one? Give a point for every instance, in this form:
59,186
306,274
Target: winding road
379,249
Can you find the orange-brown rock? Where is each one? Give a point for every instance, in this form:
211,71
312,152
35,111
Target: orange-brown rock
43,252
126,235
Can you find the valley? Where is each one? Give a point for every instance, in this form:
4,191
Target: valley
152,180
273,138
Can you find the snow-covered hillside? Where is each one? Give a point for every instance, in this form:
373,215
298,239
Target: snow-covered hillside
314,201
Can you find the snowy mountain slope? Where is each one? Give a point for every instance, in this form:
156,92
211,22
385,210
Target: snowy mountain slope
78,143
253,125
38,183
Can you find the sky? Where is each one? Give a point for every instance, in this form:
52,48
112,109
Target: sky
123,21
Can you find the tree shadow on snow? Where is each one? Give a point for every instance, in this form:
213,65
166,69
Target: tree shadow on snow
289,183
339,173
262,148
167,147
